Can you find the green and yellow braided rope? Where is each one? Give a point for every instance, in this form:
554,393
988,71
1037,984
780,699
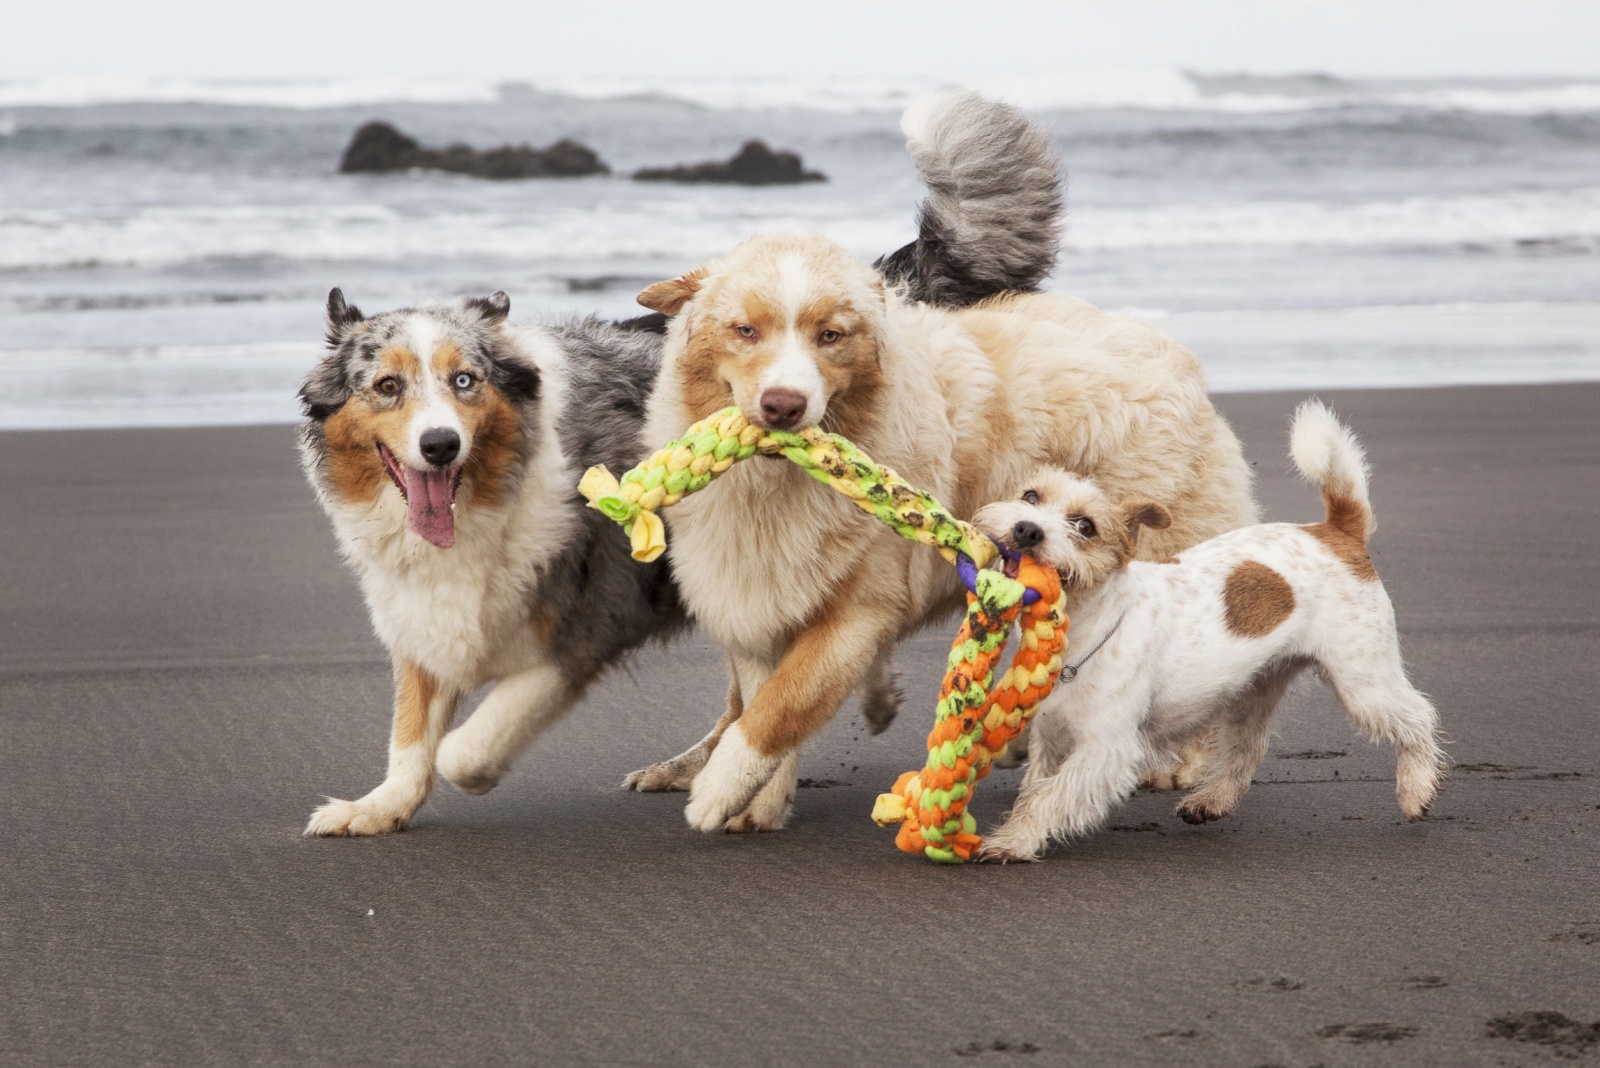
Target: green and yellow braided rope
976,717
719,441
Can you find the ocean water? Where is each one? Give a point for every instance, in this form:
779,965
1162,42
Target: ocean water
165,247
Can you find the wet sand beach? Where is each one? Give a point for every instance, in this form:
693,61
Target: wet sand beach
186,669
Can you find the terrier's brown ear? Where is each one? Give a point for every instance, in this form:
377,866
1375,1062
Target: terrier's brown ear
1145,514
670,296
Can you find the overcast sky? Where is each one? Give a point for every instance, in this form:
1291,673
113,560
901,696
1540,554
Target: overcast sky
535,39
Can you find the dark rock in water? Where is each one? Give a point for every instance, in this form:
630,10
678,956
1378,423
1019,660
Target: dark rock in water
756,164
378,147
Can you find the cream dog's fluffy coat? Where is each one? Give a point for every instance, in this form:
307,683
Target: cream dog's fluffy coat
1205,644
805,595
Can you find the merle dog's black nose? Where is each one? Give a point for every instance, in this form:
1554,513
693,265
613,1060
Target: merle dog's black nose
1026,534
440,446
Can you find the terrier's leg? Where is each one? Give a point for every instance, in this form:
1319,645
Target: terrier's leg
1239,743
1075,798
1370,679
1186,770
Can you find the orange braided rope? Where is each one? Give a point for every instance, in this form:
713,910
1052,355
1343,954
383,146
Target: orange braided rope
976,717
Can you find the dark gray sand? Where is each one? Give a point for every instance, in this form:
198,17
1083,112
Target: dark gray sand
185,670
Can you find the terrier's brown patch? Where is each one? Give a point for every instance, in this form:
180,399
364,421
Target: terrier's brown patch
1257,599
1352,552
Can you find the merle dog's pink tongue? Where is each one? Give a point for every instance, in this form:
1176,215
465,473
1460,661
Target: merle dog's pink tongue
428,497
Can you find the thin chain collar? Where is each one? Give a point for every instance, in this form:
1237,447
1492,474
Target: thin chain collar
1070,672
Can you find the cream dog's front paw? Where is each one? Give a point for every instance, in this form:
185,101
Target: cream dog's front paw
732,777
339,819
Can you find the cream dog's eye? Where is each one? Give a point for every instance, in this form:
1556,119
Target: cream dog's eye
1030,496
1085,526
828,337
745,331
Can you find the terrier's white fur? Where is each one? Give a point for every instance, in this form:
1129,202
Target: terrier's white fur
1208,643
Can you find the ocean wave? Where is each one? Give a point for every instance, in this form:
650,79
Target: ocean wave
673,231
648,231
1557,219
1299,349
297,95
1152,89
1148,89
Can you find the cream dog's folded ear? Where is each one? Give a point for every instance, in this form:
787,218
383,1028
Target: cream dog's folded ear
1138,514
670,296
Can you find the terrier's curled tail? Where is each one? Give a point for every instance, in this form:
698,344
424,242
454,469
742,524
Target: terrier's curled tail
1327,453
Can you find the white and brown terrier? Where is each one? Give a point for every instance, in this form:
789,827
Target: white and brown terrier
1205,644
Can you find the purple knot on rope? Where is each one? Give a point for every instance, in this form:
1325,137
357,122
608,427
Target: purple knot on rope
969,576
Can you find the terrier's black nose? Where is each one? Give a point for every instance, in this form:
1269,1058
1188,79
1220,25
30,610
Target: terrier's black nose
783,408
440,446
1026,534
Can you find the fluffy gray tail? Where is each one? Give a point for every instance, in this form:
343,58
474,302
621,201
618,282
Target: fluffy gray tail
992,220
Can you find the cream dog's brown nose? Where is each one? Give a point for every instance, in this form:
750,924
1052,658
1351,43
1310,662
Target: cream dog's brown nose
782,409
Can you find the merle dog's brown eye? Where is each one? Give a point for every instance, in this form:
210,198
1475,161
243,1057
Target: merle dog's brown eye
1085,526
1030,496
745,331
828,337
388,385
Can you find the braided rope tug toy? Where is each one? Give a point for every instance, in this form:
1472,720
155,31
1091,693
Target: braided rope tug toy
976,717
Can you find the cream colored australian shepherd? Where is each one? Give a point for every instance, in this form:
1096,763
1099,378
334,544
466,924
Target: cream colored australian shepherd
809,599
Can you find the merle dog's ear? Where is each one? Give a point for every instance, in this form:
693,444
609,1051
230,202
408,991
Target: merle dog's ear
341,317
516,378
492,309
670,296
326,388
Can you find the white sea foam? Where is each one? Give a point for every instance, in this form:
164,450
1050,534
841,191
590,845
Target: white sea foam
1151,89
1154,88
674,230
1570,215
172,385
1243,350
643,230
344,92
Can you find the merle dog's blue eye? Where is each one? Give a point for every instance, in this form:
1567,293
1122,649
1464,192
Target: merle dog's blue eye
463,380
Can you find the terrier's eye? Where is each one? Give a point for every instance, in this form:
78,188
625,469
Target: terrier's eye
745,331
1030,496
464,380
828,337
388,385
1085,526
